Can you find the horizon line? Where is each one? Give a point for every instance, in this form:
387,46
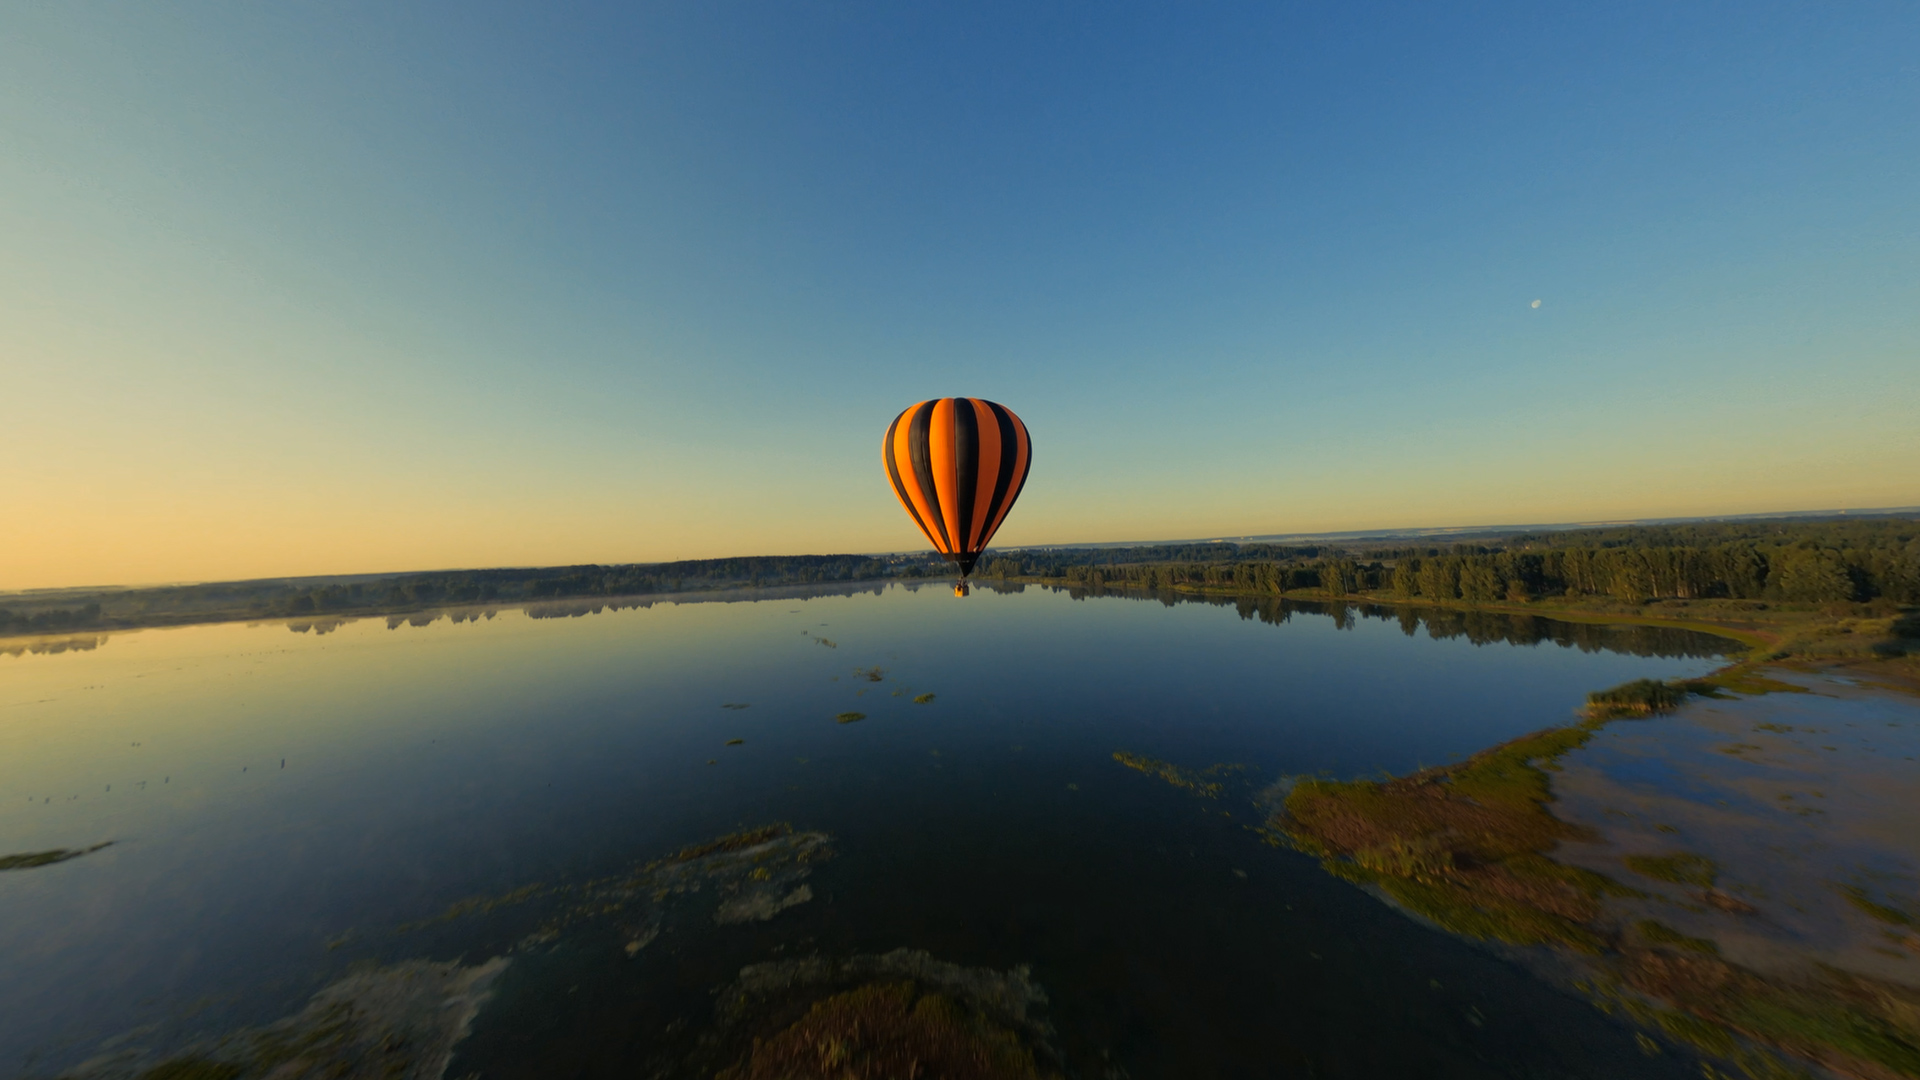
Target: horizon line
1407,532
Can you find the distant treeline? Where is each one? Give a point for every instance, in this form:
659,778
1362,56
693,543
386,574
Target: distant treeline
1784,560
1794,560
414,592
487,586
50,620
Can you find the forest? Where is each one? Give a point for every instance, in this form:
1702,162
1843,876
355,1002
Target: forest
1790,560
1872,561
74,610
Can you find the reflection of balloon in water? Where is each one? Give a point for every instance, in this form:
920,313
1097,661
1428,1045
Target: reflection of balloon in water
957,465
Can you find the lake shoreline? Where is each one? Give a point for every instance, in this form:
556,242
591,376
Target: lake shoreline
1526,846
1758,627
1795,637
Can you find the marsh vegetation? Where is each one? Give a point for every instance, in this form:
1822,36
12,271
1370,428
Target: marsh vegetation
1477,849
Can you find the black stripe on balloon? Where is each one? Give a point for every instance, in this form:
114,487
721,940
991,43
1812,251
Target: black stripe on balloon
966,449
893,474
1022,482
923,470
1029,466
1009,452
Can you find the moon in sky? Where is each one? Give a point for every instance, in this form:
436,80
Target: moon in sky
1536,303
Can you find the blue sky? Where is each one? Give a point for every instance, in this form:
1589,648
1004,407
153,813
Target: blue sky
333,288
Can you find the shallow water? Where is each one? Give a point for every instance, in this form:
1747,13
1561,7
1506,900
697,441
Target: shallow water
285,807
1804,804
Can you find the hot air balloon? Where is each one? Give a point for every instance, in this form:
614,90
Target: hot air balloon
957,465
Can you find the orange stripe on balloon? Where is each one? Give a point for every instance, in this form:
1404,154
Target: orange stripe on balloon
946,470
910,486
889,461
986,474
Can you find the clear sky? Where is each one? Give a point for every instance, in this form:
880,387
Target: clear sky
318,288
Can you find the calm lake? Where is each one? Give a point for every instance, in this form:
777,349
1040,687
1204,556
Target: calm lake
289,807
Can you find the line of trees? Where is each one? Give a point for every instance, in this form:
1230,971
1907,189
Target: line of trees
50,620
568,582
1794,561
378,594
1806,562
1804,572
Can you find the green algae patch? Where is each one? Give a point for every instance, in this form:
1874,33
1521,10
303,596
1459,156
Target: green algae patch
1742,679
610,893
28,860
752,875
849,718
1848,1024
1641,697
1203,782
888,1030
1681,868
1892,916
476,905
1655,932
1851,1024
1648,697
739,841
923,699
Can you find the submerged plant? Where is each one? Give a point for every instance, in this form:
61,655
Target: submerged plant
1198,781
400,1022
1658,933
1892,916
1681,868
29,859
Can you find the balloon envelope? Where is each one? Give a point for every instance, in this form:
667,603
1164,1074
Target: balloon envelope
957,465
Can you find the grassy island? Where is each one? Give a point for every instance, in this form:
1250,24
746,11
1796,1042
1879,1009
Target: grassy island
1469,848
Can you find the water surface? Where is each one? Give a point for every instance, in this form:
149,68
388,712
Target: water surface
285,804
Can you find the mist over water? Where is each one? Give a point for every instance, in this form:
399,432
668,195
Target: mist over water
288,804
